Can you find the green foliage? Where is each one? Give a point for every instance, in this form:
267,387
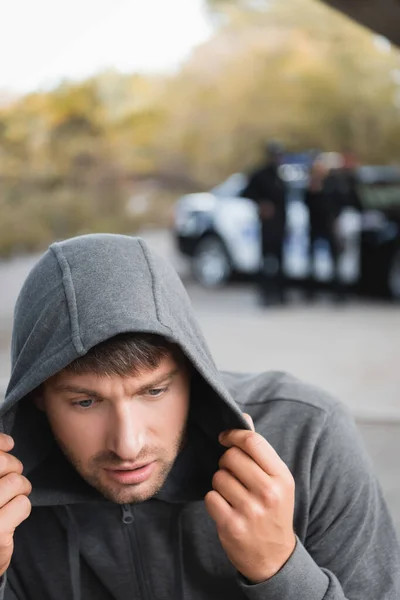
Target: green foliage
83,156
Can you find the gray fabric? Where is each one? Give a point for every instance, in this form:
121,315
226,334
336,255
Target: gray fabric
77,545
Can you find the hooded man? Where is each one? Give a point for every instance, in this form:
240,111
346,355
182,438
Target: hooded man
152,475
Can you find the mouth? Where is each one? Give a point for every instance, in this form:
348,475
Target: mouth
131,475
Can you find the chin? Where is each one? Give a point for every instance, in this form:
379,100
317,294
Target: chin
139,494
130,494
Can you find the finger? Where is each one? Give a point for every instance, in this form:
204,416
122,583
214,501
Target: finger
245,470
257,447
9,464
230,488
13,513
13,485
6,442
249,420
218,508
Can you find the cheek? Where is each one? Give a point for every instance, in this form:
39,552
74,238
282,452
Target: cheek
81,434
175,413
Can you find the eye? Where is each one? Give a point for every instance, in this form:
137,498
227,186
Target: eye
85,404
156,392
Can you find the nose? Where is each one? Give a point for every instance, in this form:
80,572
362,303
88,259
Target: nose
126,434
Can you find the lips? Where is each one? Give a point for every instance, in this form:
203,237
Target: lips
129,467
131,475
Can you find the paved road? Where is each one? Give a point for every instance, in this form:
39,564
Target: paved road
383,443
352,351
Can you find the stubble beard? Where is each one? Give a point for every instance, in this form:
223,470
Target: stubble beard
94,473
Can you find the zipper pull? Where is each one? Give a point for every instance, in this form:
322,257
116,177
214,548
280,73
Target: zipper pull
127,514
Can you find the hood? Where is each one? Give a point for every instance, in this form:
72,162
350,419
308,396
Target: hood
81,292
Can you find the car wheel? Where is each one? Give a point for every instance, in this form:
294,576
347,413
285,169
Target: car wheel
394,276
210,262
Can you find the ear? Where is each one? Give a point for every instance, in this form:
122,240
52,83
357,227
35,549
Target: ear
39,403
37,398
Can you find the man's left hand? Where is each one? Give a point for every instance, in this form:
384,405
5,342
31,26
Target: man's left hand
252,504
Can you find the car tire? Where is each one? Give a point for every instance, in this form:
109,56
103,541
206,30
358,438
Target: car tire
394,276
211,265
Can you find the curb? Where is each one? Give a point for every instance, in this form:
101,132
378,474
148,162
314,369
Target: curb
372,418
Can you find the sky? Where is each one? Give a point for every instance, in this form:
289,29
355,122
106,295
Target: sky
43,41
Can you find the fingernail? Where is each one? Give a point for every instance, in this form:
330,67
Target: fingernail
8,439
223,434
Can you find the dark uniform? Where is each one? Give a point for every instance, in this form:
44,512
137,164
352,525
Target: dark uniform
323,213
267,189
325,205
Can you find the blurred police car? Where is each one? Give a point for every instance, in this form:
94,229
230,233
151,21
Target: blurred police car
219,233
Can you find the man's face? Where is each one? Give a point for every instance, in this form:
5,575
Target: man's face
276,158
107,426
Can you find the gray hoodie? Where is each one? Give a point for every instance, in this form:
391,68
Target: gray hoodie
77,545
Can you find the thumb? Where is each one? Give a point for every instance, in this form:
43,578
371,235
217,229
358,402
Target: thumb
249,420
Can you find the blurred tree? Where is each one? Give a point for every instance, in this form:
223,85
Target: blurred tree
77,158
298,70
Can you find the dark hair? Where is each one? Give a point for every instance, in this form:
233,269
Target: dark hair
126,354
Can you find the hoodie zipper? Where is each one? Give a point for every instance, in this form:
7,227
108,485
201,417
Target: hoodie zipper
128,519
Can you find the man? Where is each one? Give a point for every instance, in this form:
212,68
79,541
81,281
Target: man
332,188
153,475
267,189
322,201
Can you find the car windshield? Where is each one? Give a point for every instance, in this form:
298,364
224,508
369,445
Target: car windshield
231,187
294,175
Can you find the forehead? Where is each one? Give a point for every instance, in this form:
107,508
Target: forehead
166,367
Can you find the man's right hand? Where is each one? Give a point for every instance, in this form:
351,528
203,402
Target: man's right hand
15,506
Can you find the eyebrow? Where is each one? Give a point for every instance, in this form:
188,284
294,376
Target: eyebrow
88,392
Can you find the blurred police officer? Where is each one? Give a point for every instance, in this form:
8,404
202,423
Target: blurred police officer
325,199
266,188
